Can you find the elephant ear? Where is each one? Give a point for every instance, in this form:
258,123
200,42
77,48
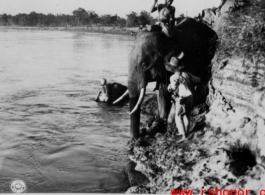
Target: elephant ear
149,60
145,64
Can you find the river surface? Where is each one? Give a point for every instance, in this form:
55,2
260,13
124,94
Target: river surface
53,135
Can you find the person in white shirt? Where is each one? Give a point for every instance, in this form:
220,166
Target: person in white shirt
182,85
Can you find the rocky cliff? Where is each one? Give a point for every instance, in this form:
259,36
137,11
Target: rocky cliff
237,85
226,148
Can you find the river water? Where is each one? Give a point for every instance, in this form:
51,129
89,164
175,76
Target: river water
52,134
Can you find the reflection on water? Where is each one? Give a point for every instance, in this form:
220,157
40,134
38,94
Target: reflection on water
53,135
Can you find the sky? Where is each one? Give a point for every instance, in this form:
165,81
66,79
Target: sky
101,7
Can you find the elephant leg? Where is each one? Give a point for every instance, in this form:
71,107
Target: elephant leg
200,94
156,87
164,104
163,100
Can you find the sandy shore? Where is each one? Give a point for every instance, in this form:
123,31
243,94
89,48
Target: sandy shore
107,30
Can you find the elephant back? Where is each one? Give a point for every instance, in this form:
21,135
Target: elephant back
116,90
198,42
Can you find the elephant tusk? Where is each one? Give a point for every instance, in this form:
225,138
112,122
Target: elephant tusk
181,55
140,100
120,98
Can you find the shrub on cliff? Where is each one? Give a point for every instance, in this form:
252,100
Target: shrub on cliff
243,34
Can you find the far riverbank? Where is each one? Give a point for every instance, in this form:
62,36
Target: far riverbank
104,30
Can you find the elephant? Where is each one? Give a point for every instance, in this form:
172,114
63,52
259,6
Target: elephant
193,46
110,91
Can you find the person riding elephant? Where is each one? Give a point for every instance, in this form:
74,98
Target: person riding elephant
150,53
110,91
166,16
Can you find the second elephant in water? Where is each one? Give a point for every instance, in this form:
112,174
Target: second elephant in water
110,91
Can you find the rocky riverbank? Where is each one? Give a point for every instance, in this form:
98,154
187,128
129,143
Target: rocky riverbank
225,149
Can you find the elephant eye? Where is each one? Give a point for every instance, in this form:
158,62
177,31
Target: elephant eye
145,64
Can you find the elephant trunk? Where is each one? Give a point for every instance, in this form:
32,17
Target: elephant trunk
136,86
135,105
135,118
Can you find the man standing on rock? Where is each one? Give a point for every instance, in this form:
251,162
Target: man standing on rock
182,86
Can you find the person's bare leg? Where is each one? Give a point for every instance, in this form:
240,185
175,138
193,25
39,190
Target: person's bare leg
180,127
179,120
166,29
186,123
186,116
171,117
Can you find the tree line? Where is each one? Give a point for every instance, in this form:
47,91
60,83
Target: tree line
79,17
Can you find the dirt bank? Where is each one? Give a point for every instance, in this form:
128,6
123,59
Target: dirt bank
226,147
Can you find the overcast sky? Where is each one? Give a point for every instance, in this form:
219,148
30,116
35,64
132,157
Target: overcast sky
101,7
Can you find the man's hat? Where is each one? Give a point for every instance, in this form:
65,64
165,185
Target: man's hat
173,66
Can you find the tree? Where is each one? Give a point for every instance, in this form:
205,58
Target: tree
5,19
114,20
22,19
50,20
41,19
132,20
105,20
91,18
33,19
121,22
81,15
109,20
14,20
145,18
